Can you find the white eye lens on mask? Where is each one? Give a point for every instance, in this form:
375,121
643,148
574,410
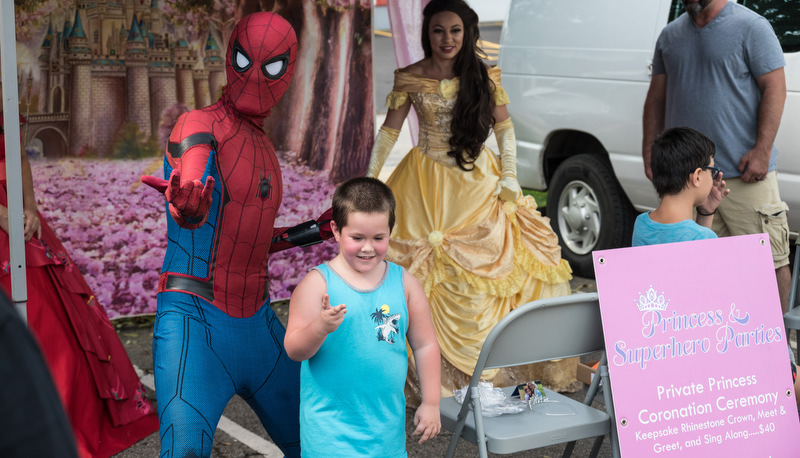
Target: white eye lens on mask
241,60
274,68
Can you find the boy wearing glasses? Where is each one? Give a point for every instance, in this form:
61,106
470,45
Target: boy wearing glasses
687,183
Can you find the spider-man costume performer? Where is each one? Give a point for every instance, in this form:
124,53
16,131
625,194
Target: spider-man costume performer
215,334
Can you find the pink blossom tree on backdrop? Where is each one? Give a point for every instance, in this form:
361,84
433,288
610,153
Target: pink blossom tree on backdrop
115,229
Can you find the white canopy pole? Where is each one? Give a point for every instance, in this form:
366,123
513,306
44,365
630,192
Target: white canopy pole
16,228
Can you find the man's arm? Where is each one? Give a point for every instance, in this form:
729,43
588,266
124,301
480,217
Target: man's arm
754,165
653,117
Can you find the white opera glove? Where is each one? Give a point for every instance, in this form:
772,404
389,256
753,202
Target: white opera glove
384,142
507,187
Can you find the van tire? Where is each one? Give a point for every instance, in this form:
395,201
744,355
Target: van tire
588,210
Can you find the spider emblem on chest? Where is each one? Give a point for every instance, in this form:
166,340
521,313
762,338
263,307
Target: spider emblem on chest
264,189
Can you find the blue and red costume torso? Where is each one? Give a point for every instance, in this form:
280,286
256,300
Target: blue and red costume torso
215,335
220,254
224,260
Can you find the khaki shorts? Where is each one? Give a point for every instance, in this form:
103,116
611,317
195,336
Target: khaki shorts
753,208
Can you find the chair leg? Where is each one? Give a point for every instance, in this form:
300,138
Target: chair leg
793,294
603,369
795,279
598,442
461,419
451,448
797,340
568,451
477,413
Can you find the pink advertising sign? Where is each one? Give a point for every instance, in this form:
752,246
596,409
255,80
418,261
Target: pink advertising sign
697,351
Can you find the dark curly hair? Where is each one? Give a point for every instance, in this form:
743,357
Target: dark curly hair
473,112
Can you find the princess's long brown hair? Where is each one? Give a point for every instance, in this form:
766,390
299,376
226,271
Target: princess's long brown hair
474,108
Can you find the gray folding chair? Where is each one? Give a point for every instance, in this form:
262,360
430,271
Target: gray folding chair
541,330
791,319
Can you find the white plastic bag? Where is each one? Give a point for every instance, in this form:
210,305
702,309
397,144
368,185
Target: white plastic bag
494,401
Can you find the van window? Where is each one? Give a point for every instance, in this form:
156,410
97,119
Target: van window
784,17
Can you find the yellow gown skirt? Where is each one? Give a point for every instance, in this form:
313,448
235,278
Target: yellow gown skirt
477,258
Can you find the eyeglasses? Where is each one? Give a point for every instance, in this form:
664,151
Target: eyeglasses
715,171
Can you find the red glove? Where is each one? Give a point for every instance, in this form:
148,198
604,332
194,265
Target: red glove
324,221
189,200
304,234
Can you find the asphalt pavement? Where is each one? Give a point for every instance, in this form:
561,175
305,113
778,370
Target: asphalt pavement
240,433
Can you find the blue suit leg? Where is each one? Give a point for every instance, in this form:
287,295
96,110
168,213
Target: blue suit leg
192,384
276,400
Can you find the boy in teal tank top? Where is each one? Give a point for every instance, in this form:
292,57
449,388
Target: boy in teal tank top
354,359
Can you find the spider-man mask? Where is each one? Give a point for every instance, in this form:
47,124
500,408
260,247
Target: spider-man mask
260,62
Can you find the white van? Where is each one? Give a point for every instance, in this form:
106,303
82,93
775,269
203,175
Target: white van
577,73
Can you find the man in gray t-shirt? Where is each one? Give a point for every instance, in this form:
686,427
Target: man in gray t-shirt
719,69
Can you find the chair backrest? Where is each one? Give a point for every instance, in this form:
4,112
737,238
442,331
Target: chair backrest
544,329
793,294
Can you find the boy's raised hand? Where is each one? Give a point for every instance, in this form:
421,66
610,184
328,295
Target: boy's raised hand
427,421
331,317
718,192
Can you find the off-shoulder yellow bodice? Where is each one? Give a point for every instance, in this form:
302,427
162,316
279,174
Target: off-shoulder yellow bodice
433,100
476,257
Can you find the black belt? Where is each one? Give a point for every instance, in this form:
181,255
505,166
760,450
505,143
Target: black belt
201,288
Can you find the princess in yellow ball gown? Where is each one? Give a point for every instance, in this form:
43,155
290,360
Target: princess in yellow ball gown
464,230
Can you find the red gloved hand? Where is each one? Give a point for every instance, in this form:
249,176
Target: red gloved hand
189,200
324,221
283,238
156,183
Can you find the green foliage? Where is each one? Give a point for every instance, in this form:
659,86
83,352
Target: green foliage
539,196
191,5
87,152
130,143
134,322
28,5
781,14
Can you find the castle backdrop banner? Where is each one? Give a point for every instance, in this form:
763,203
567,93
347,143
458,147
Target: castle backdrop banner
102,83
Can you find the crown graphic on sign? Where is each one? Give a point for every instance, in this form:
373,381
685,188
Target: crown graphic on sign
651,300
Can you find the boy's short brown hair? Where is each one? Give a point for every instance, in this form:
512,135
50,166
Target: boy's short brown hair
365,195
676,154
